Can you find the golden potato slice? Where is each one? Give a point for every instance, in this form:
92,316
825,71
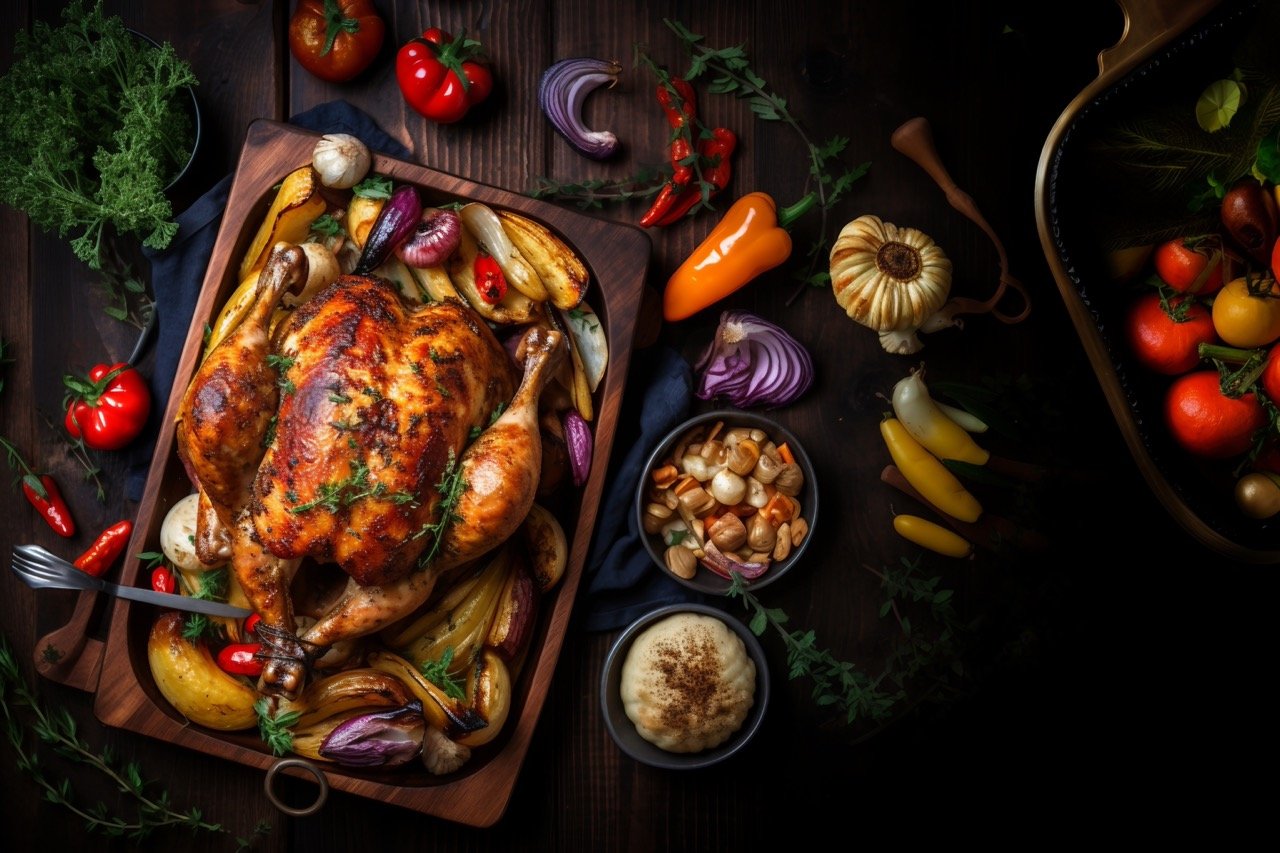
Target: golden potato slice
295,207
562,272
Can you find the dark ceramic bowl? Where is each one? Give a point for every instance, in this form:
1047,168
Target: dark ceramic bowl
192,108
706,580
623,731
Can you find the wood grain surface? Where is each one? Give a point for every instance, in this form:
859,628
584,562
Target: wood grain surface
1124,665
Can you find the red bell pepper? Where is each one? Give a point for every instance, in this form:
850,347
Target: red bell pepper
440,76
162,580
109,409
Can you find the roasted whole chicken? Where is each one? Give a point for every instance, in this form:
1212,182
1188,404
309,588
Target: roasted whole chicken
396,440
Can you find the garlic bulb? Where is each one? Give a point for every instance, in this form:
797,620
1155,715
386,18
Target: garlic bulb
340,160
890,279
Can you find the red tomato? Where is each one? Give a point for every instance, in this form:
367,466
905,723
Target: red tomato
1179,263
1166,340
440,77
239,659
162,580
1208,423
109,409
336,39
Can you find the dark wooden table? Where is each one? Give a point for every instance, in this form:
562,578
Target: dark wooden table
1123,661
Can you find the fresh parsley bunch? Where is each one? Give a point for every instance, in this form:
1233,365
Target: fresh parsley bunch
92,128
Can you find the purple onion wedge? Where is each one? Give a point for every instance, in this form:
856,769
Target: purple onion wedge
384,739
398,217
752,362
577,437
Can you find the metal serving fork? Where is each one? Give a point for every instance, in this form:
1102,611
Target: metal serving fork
40,569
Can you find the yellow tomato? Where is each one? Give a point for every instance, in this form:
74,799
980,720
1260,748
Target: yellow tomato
1246,313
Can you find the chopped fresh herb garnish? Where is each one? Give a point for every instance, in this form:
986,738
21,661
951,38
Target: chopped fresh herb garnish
326,226
374,186
437,672
339,398
274,728
280,362
442,390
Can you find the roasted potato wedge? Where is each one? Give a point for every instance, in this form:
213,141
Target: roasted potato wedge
547,548
189,677
295,207
561,271
487,228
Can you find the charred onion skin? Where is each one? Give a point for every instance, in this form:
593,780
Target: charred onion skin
561,92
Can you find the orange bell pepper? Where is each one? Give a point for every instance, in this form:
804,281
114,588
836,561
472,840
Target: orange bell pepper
749,240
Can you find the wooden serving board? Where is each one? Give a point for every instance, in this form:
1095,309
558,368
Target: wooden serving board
617,256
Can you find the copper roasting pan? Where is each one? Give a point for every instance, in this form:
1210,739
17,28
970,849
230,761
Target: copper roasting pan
116,669
1167,46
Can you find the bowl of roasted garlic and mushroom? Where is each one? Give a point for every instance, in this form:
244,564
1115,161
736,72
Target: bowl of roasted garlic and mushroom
727,493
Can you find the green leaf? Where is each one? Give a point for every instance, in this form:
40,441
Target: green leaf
1266,163
758,623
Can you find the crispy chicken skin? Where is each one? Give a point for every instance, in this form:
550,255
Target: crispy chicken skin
378,398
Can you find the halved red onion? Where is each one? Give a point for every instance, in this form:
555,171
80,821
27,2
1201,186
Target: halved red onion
432,239
715,560
561,92
752,362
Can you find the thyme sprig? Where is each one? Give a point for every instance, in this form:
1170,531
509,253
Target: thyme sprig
212,587
450,487
734,75
595,193
57,729
857,695
835,682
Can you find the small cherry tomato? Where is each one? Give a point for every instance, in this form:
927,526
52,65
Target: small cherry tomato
239,659
1164,335
1246,312
251,625
162,580
1181,263
490,281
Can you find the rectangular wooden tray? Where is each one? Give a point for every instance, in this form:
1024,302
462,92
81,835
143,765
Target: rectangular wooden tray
617,256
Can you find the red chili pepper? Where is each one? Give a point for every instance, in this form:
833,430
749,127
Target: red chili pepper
162,580
678,101
43,494
99,556
718,150
490,281
241,659
251,625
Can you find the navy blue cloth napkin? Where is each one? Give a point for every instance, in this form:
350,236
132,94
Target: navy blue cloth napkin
177,272
622,582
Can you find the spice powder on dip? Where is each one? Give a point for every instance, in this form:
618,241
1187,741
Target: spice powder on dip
688,683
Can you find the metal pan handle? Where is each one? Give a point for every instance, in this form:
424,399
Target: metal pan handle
322,782
1146,21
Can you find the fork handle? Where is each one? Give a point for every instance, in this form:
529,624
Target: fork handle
175,602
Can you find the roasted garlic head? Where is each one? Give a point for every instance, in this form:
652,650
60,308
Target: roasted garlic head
889,279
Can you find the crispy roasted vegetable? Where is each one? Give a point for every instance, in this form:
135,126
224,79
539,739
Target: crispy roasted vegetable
463,628
188,676
516,612
514,308
295,207
362,690
487,228
561,271
547,547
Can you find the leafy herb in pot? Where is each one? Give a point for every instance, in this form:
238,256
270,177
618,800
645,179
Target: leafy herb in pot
104,112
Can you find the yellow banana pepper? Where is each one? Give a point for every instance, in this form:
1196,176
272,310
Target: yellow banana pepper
933,536
927,474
